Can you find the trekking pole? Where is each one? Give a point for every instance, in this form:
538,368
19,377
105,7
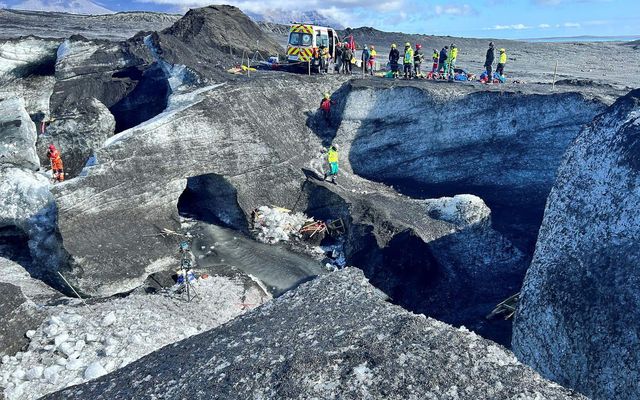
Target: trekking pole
309,65
555,71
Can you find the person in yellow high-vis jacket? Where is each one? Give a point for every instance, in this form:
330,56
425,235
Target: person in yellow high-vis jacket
407,61
453,57
372,59
501,62
332,159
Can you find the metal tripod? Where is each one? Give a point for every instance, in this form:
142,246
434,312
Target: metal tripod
186,288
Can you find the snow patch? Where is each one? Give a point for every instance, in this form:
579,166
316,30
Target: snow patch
275,225
462,210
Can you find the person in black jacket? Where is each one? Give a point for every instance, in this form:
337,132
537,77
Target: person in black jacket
418,58
443,58
394,57
347,55
338,60
488,62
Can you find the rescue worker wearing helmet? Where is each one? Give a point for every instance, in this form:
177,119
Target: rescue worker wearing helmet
453,57
435,57
332,159
418,58
407,60
325,106
394,57
324,59
56,163
372,59
501,62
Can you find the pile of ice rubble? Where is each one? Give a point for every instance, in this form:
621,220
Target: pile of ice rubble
274,224
77,343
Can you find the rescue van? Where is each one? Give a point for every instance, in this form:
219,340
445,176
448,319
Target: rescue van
305,42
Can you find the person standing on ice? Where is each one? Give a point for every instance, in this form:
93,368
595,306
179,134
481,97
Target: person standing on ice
332,159
338,60
418,58
372,59
325,106
347,56
442,62
488,62
394,57
501,62
56,163
453,57
407,61
366,55
435,57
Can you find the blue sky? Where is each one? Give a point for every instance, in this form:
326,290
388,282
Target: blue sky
478,18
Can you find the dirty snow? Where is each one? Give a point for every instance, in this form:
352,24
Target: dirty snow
23,52
275,225
24,194
461,210
77,343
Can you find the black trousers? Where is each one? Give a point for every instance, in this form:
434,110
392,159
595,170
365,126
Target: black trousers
407,70
489,72
500,69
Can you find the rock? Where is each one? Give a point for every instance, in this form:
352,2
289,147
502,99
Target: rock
201,40
17,136
579,313
85,126
21,300
331,338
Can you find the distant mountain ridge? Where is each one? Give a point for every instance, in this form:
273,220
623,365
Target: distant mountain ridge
85,7
290,16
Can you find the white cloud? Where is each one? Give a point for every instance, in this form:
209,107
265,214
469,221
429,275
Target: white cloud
571,25
347,12
509,27
544,26
455,10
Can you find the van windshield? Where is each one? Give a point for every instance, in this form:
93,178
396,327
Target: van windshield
300,39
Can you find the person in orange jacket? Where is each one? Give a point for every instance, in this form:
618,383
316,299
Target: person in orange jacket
56,163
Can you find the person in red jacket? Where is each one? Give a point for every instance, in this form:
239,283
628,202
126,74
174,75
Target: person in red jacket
325,106
56,163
